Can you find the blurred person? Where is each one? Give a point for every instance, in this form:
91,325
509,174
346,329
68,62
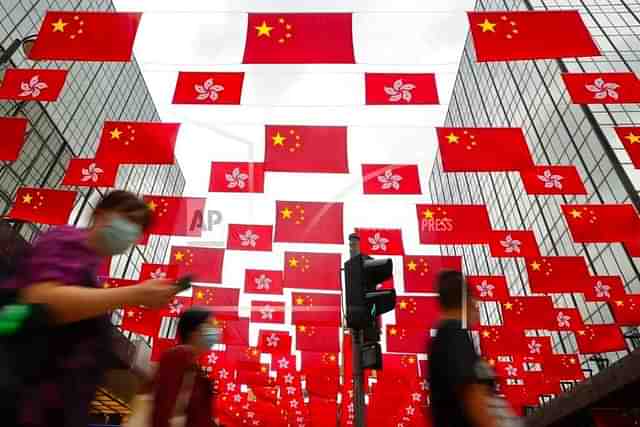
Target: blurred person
59,273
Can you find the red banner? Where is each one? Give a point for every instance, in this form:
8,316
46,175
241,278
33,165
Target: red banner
202,88
236,177
13,131
453,224
138,142
602,88
43,206
32,84
400,89
308,222
552,180
245,237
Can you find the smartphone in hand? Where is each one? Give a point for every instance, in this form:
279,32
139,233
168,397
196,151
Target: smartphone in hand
184,282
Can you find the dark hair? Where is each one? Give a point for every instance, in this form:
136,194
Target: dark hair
190,321
127,203
354,236
451,285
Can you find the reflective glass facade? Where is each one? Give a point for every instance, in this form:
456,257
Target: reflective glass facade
531,95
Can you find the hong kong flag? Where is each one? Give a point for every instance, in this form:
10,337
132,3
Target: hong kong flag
309,222
604,288
32,84
179,216
203,88
557,274
245,237
224,301
488,288
499,340
299,38
13,131
626,310
236,177
453,224
602,88
400,89
380,241
531,312
602,223
138,142
513,243
474,149
406,340
567,319
263,282
176,307
552,180
508,36
390,179
315,309
80,36
420,271
630,137
90,173
158,271
141,320
317,338
600,339
267,312
205,264
308,270
278,342
43,206
419,312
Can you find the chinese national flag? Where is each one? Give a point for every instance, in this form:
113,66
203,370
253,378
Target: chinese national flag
513,243
208,88
307,270
86,36
626,310
552,180
401,362
160,345
603,288
141,320
483,149
420,271
488,288
13,131
110,282
531,312
306,149
602,223
42,205
322,384
509,36
419,312
315,309
245,237
602,88
406,340
32,84
380,241
224,301
299,38
234,332
309,222
563,366
557,274
317,338
90,173
453,224
263,282
319,361
278,342
390,179
630,137
205,264
236,177
176,216
158,271
267,312
139,143
600,339
400,89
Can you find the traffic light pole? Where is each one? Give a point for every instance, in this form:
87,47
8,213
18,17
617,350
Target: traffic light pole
357,340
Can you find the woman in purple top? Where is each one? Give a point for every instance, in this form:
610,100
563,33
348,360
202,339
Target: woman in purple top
60,272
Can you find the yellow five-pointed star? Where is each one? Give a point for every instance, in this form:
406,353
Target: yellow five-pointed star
619,303
264,29
59,26
27,198
508,306
393,331
535,266
179,256
200,295
286,213
278,139
152,205
427,214
486,334
299,300
487,26
576,213
115,134
633,139
302,328
411,266
403,305
452,138
293,262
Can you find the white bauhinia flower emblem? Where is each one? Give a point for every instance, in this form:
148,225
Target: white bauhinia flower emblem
33,87
248,238
535,347
251,414
91,173
399,91
378,243
416,397
236,179
176,307
223,374
206,369
602,290
389,180
485,289
603,90
158,274
231,387
291,390
208,90
293,403
237,398
212,359
410,410
288,379
350,408
263,283
273,340
563,320
283,363
266,312
551,180
512,371
511,245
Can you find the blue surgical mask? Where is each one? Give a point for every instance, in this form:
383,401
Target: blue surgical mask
211,336
118,235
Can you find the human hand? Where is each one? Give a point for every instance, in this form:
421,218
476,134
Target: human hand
154,293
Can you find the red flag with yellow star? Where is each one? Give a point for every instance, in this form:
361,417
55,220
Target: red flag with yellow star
309,222
557,274
236,177
299,38
202,88
563,366
205,264
315,360
401,339
309,270
552,180
249,237
626,310
234,331
110,282
263,282
419,312
508,35
42,206
401,362
453,224
602,88
317,338
600,339
420,271
488,288
513,243
476,149
630,137
90,173
32,84
81,36
380,241
223,301
315,309
602,223
306,149
141,320
138,142
176,216
531,312
13,131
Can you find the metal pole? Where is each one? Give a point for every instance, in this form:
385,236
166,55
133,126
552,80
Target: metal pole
8,53
356,336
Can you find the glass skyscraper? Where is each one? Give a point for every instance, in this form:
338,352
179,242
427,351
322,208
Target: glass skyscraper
57,131
531,95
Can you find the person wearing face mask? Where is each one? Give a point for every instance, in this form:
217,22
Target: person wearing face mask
59,273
